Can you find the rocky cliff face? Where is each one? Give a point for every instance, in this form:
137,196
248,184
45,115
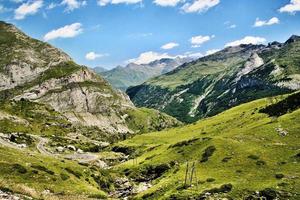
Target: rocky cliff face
36,71
225,79
23,58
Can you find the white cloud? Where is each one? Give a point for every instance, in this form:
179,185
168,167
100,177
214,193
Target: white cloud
52,6
170,45
106,2
147,57
139,35
292,7
28,8
150,56
247,40
212,51
73,4
67,31
232,26
93,56
199,6
197,41
272,21
166,3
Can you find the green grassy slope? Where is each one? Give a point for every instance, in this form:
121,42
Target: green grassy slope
242,147
32,174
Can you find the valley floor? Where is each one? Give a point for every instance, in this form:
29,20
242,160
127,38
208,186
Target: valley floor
248,152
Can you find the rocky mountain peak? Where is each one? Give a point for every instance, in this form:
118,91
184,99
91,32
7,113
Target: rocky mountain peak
293,38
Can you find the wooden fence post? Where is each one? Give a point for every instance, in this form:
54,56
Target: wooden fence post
186,173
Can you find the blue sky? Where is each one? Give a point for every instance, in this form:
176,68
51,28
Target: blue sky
112,32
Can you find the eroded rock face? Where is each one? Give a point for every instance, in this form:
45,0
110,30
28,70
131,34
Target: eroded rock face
251,64
82,96
23,59
36,71
85,99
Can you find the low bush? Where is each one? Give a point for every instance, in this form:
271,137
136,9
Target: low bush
124,149
184,143
260,162
64,176
42,168
208,152
209,180
279,176
222,189
226,159
75,173
19,168
253,157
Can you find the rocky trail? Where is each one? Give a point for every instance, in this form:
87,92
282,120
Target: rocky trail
41,147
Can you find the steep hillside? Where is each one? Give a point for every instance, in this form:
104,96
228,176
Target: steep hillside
243,153
36,71
135,74
227,78
247,152
58,121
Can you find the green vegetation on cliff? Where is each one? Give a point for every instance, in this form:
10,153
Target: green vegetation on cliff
214,83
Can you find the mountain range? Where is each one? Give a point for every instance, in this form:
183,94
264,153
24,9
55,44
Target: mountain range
212,84
135,74
66,133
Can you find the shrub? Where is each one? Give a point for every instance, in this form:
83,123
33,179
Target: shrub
42,168
260,162
104,182
149,172
269,193
184,143
289,104
123,149
253,157
19,168
5,189
75,173
208,152
210,180
279,176
64,176
226,159
223,189
283,184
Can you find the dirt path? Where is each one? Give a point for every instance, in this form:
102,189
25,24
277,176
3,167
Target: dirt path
8,144
41,147
84,157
